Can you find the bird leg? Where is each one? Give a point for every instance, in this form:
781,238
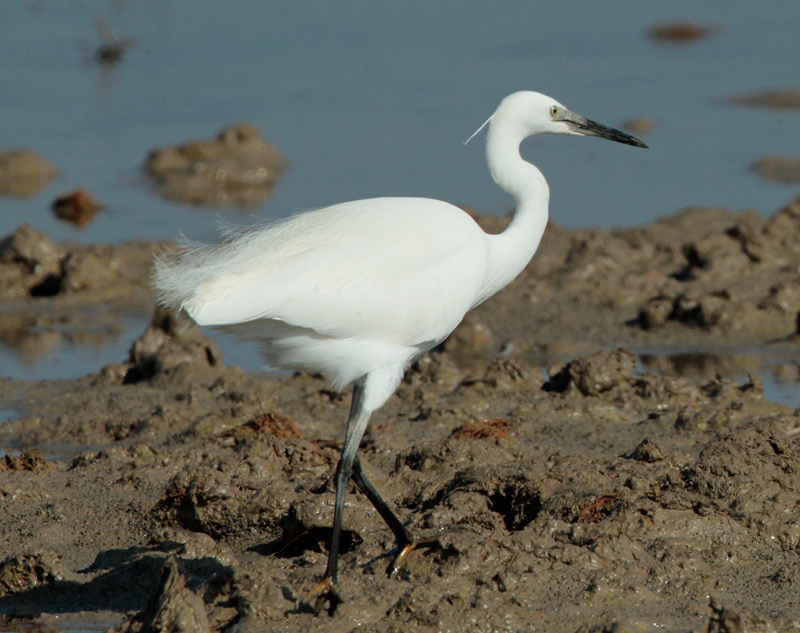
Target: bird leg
406,541
327,590
398,528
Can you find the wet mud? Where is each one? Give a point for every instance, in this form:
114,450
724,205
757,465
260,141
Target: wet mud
23,173
778,169
238,168
173,492
81,294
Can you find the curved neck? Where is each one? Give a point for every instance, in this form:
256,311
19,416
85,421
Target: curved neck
511,250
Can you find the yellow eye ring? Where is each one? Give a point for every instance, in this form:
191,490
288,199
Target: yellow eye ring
553,111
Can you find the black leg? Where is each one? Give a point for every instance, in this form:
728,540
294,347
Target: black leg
406,541
398,528
327,591
326,594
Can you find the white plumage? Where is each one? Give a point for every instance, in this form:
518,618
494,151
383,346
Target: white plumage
341,300
357,290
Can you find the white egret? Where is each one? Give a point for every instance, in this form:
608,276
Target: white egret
358,290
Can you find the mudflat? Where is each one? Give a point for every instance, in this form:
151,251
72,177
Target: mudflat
172,492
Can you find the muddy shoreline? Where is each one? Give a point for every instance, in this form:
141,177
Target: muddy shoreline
170,491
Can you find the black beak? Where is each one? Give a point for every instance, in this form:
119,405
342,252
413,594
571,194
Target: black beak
586,127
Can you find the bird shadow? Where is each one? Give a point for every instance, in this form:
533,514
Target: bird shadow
315,539
118,580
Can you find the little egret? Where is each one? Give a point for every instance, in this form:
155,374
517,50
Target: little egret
358,290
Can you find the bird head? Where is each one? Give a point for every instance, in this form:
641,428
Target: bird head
527,113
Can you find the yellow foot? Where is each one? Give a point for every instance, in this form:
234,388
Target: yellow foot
422,539
326,592
400,559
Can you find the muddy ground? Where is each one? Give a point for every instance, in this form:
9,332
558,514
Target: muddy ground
171,492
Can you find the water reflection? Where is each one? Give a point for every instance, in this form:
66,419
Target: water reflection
35,336
778,370
701,364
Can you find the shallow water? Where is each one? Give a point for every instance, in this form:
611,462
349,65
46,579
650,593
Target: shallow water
779,371
379,102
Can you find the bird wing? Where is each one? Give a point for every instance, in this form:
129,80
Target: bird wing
399,270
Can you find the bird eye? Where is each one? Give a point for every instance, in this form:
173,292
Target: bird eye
553,111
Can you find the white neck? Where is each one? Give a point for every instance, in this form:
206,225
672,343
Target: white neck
511,250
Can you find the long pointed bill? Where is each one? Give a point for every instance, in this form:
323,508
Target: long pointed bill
581,125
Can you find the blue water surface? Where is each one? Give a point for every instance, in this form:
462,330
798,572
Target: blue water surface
370,99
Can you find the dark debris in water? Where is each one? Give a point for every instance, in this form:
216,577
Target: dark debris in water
683,32
76,207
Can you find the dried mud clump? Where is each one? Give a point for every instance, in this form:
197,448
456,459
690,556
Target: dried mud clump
497,429
736,280
30,264
594,374
223,497
22,573
700,277
747,475
172,348
24,173
647,451
175,607
237,168
471,337
28,460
